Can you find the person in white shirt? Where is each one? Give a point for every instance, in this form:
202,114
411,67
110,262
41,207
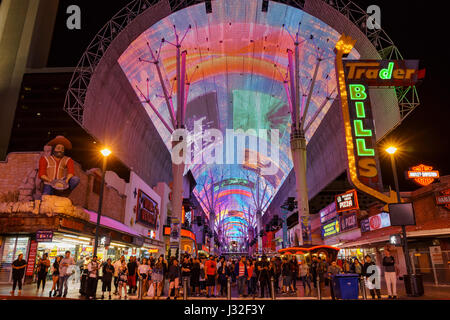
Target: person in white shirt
92,267
117,266
142,271
65,271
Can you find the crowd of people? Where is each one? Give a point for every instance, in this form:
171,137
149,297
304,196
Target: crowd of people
203,276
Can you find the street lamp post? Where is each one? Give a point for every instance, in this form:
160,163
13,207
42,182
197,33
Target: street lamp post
105,152
391,151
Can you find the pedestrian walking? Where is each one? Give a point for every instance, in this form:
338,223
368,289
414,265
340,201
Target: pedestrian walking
55,277
42,271
93,267
294,273
132,274
211,272
186,267
251,277
174,279
305,277
117,264
333,270
143,273
241,275
65,271
123,279
313,269
390,274
277,273
18,272
372,275
108,272
195,277
263,275
158,276
202,276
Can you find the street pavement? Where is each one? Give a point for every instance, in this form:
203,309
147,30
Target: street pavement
29,292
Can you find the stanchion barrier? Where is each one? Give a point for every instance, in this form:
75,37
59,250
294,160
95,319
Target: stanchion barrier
228,289
319,294
140,289
184,288
363,288
272,288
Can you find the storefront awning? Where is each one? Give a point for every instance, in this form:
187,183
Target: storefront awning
385,238
111,224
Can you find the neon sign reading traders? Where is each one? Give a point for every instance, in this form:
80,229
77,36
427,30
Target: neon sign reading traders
354,77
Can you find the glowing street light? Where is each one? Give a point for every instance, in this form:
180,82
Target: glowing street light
391,150
105,153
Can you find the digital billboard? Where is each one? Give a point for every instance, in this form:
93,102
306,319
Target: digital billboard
379,221
328,213
330,228
147,210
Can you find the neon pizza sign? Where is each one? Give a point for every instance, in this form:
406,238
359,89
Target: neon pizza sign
347,201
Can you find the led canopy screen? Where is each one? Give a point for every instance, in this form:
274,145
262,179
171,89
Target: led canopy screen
237,63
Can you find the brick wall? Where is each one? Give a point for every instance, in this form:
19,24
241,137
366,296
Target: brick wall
16,168
18,165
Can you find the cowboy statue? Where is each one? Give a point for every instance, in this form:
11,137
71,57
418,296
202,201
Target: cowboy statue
57,170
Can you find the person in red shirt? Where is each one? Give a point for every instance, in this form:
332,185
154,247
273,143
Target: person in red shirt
241,275
211,272
57,171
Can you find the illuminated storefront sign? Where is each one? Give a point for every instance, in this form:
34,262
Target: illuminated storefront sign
147,211
383,73
423,175
365,226
328,213
376,222
330,229
348,222
354,77
444,199
44,236
184,233
347,201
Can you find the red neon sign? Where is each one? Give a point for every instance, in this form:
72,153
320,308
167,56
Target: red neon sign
423,175
444,199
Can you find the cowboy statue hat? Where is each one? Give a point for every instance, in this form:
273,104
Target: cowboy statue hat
61,140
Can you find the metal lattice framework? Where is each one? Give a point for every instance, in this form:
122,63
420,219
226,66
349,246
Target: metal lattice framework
408,98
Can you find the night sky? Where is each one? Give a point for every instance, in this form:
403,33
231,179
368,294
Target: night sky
417,28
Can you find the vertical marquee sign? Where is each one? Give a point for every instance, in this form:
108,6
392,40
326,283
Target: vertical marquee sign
354,78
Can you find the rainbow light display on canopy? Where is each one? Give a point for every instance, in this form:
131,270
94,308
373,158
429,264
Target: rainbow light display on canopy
234,84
